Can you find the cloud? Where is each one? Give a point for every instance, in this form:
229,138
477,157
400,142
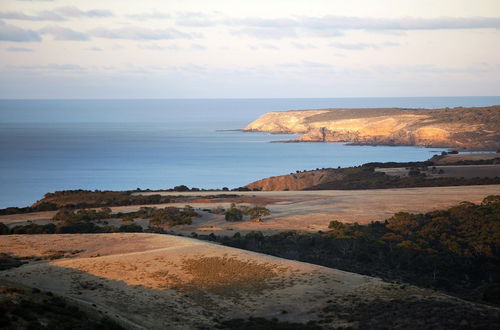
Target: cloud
60,33
95,49
304,65
361,45
403,23
18,49
263,22
266,33
198,47
57,14
300,45
17,15
147,16
46,68
334,26
13,33
263,46
195,19
71,11
159,48
140,33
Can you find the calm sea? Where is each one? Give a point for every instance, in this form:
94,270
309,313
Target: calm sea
49,145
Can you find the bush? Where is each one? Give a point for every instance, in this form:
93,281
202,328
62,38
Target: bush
233,214
83,228
4,230
34,229
456,250
131,228
181,188
171,216
257,212
70,216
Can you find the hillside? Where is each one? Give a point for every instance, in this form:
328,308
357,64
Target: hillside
160,281
385,176
461,128
296,181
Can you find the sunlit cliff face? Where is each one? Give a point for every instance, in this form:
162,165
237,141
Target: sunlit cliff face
376,126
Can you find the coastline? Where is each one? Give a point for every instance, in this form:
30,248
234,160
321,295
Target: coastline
471,129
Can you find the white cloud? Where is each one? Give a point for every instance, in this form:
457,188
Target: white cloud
13,33
19,49
60,33
362,45
403,23
158,47
153,15
263,46
303,45
266,33
141,33
57,14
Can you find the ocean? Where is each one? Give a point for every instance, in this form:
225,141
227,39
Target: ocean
49,145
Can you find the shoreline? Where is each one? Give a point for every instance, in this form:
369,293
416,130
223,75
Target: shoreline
472,129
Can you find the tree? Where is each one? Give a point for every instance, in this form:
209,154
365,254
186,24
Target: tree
258,212
4,230
233,213
181,188
130,228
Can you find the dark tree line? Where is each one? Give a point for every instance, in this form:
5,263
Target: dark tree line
455,250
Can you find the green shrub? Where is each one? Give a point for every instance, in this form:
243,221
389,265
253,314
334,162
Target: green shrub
34,229
4,230
258,212
233,213
130,228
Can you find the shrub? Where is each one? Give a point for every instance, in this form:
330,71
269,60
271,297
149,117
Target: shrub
130,228
34,229
171,216
233,214
258,212
80,227
4,230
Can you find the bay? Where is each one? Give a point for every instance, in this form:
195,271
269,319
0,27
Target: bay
49,145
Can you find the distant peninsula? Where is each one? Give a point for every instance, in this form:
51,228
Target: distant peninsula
474,128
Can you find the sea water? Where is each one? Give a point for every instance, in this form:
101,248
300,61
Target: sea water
49,145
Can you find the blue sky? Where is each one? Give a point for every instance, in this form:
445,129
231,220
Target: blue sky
273,48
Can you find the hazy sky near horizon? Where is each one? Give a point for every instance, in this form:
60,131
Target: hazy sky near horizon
235,48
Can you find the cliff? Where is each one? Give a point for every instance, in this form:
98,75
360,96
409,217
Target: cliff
296,181
461,128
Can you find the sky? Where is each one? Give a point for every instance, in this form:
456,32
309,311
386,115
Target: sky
248,49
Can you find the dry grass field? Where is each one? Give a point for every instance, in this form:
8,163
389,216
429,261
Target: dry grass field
160,281
453,158
303,210
151,281
454,171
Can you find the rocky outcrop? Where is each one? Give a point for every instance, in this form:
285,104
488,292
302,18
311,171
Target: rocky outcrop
462,128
